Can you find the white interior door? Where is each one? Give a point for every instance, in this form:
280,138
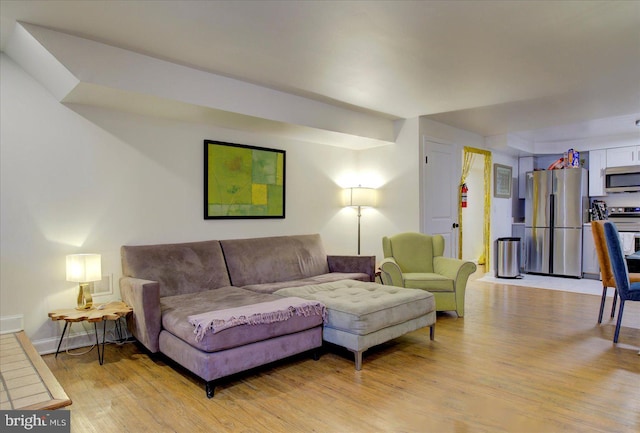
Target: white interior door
441,165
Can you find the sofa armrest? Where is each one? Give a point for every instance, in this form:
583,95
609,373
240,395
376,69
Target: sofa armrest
390,273
145,322
348,264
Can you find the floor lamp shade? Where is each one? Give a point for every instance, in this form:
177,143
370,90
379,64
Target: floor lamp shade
83,269
360,196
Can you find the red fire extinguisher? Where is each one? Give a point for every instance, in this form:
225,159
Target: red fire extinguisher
463,195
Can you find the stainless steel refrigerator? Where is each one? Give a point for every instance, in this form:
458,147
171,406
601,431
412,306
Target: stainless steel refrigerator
556,204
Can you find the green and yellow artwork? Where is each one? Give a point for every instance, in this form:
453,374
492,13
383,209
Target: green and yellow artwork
243,181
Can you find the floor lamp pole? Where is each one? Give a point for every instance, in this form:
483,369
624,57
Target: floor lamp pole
359,215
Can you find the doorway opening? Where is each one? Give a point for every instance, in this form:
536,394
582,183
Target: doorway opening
475,218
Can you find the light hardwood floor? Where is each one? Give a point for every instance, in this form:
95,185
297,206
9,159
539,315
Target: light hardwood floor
521,360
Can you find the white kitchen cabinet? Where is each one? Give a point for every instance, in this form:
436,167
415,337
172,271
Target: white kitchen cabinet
525,164
621,156
597,164
590,265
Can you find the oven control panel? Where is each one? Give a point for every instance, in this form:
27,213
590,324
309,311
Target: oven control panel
624,211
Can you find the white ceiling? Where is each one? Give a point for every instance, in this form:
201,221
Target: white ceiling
543,69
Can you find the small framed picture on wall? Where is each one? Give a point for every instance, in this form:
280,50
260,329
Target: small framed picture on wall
502,181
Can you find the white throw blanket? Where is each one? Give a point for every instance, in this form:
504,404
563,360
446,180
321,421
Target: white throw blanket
254,314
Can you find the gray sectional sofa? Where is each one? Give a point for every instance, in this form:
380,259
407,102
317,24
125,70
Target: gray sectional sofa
167,285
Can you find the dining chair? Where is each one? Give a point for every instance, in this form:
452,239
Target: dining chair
606,274
627,290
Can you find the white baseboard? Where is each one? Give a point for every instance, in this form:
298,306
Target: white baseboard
9,324
82,335
73,341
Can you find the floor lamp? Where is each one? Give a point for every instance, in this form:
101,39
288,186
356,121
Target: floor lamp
360,197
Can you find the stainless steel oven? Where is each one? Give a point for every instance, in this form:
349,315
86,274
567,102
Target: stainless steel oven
627,220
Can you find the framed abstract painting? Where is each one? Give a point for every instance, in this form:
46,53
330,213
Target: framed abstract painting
243,181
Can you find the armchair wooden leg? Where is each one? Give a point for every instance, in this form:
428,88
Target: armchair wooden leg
432,331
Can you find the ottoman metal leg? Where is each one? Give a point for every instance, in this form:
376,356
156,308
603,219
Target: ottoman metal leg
358,357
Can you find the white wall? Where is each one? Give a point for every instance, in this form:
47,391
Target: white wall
501,208
86,179
394,170
448,134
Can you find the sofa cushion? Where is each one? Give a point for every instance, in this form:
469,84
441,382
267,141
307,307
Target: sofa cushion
428,281
178,268
177,309
274,259
318,279
362,308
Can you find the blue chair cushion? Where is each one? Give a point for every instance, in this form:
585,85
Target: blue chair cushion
634,292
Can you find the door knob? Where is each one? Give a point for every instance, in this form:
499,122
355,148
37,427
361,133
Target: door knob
456,225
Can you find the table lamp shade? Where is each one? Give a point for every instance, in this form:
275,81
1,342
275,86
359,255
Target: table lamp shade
83,268
360,196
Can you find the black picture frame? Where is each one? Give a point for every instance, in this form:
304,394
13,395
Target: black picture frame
243,181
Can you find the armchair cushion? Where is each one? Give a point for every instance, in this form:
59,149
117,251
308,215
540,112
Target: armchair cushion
430,281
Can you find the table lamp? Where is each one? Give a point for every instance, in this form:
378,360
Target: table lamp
84,269
359,197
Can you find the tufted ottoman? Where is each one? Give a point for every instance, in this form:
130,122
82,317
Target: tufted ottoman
362,315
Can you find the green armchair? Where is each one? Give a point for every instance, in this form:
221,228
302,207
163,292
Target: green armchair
415,261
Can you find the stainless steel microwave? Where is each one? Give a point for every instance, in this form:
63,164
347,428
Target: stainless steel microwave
622,179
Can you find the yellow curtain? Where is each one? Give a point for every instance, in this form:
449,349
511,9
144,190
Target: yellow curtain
466,165
469,153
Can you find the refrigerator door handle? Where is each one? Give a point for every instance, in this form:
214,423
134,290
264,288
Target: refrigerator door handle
552,215
552,210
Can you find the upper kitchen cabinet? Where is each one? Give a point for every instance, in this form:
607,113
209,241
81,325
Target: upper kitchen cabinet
525,164
621,156
597,164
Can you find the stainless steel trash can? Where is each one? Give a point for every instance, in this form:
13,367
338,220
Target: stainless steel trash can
508,260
